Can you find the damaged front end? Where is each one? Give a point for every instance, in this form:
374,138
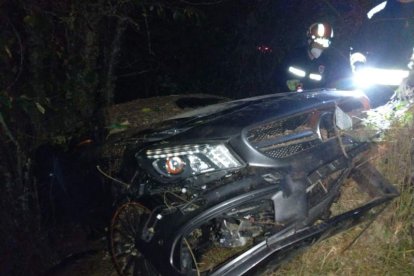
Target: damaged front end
234,188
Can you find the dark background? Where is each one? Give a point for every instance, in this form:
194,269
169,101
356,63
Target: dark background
215,50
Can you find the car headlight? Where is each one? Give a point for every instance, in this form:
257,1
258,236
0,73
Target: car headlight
192,159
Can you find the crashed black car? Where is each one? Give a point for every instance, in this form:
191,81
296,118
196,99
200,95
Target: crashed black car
237,187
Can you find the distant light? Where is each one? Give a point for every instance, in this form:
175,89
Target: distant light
296,71
376,9
264,49
315,77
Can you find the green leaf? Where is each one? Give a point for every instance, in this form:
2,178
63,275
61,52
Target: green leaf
25,97
160,11
8,52
29,20
177,15
118,127
40,108
124,125
5,100
60,140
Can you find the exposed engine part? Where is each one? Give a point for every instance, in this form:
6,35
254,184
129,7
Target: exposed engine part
233,234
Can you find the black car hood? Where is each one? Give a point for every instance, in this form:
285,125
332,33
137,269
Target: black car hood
224,120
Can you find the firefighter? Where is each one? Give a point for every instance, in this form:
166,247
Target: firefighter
305,67
388,33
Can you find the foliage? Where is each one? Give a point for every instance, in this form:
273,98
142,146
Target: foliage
395,111
383,117
60,59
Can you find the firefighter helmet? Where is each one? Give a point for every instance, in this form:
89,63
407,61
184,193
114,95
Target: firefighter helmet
320,33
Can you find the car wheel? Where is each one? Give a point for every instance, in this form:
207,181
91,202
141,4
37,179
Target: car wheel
125,229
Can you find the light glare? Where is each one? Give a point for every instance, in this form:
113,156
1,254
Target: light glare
374,76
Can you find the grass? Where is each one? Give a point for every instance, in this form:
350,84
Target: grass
387,245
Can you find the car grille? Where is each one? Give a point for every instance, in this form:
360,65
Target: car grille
286,151
274,129
284,138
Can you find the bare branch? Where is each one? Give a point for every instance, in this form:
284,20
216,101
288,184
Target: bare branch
115,48
148,34
21,55
126,19
329,4
134,73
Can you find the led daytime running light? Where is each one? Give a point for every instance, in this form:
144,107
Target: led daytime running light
175,151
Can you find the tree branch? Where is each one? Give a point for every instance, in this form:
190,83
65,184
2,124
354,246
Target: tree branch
116,44
148,33
21,55
329,4
17,145
134,73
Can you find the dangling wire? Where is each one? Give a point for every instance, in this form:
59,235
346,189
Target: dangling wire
337,134
185,240
186,202
111,178
192,256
